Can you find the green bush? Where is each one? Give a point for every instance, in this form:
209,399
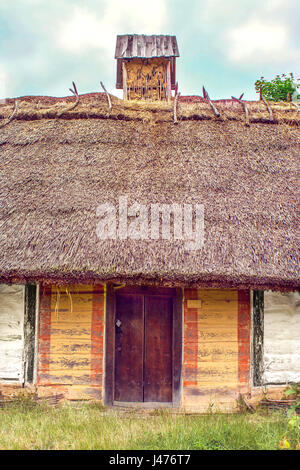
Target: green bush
279,89
291,437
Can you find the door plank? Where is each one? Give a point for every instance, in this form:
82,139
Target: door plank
129,348
158,349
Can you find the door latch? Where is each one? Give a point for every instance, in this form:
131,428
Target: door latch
118,323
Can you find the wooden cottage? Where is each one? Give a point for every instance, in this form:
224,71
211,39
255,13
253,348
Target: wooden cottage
146,66
139,320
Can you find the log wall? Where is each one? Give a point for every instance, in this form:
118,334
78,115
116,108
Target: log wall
11,333
216,344
71,338
281,337
216,348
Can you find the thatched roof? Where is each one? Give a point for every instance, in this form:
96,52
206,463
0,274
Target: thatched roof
54,172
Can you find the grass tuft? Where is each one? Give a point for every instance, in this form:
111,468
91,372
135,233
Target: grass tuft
92,426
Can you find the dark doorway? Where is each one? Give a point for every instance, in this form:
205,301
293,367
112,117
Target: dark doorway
143,349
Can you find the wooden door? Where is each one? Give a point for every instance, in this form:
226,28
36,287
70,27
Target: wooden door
143,348
158,349
129,343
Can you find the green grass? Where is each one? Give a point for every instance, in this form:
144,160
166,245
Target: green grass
88,426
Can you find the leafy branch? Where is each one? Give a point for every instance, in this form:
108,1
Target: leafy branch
281,88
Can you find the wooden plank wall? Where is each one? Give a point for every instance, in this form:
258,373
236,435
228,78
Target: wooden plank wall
70,345
282,337
244,353
147,79
11,333
216,348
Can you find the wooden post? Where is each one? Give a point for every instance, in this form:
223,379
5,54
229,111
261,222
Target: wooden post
175,105
206,96
110,345
245,109
12,116
177,347
258,337
268,108
73,106
29,332
168,93
107,95
125,94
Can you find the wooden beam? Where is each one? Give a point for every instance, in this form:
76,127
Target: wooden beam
177,347
268,108
75,92
119,84
244,326
109,344
12,116
258,337
206,96
296,106
107,95
168,81
175,104
29,332
145,290
173,73
245,109
125,91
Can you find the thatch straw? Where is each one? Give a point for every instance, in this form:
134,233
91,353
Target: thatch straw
12,116
94,106
70,108
54,172
268,108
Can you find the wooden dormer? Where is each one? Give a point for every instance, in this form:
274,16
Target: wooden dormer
146,66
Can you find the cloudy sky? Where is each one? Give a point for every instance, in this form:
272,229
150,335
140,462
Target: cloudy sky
224,44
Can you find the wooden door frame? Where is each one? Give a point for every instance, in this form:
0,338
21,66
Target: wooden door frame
29,332
110,318
258,337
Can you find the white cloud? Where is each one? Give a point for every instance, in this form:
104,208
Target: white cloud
3,84
258,41
271,5
265,37
82,31
252,33
97,29
233,10
212,10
